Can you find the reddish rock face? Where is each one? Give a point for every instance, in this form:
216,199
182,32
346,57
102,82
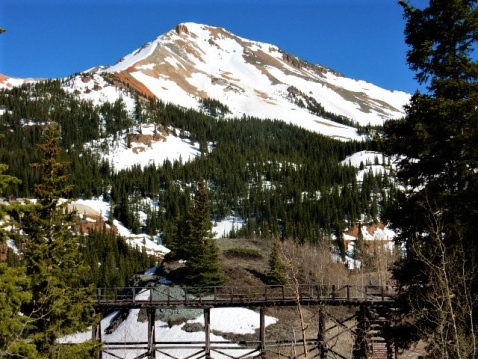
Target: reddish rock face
4,79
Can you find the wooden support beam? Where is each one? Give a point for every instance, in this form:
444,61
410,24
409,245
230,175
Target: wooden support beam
321,335
207,330
151,333
262,331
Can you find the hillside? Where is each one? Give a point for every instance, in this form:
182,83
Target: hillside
199,101
144,156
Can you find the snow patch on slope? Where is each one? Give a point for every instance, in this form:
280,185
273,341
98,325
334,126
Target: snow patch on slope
133,58
123,155
93,87
367,161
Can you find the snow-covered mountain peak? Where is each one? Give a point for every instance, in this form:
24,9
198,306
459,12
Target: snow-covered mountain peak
194,61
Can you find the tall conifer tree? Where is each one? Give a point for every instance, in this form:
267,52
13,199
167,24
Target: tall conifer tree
277,271
61,301
437,217
14,293
201,251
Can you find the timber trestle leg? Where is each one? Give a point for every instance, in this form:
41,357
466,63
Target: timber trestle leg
207,330
322,346
151,333
262,332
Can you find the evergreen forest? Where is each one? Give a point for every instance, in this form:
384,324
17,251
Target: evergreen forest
283,181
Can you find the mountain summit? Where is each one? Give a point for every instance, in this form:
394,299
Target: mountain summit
194,62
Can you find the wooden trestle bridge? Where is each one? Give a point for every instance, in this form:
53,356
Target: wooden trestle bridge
369,324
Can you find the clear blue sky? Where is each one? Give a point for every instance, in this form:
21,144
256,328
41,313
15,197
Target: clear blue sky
362,39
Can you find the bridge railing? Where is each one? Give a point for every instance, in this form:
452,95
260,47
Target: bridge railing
251,295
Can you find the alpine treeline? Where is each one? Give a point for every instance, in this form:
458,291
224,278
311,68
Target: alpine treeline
282,180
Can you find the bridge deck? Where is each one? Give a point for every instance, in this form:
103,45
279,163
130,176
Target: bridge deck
217,297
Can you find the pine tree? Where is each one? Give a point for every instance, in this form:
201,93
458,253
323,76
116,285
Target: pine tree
61,301
437,216
340,241
203,267
277,271
14,293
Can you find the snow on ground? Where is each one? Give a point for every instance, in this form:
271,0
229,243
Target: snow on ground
131,59
11,244
174,93
123,155
386,235
224,55
98,207
397,99
370,161
225,320
349,261
10,82
223,228
102,208
234,320
366,158
93,87
245,99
